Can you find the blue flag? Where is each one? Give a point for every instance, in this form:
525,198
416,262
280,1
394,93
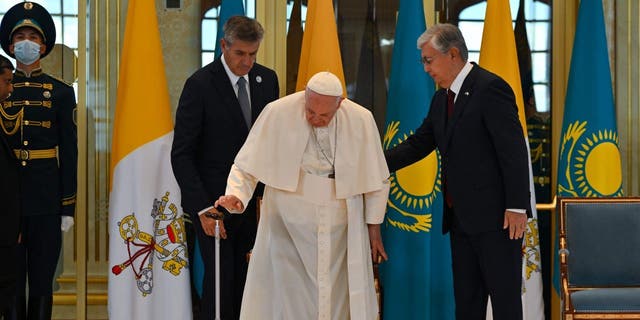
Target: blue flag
228,8
417,279
589,159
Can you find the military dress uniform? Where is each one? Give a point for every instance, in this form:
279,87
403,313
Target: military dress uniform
539,128
10,217
38,121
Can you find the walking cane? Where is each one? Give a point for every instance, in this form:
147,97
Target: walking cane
217,216
217,267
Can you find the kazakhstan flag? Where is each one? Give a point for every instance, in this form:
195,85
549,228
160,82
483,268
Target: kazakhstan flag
417,279
589,159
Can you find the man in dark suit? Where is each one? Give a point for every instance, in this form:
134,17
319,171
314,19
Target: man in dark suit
212,123
10,199
39,123
473,121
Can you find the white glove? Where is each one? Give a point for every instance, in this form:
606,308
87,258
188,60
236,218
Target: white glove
66,224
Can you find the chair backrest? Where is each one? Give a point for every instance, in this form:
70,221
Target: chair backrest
603,240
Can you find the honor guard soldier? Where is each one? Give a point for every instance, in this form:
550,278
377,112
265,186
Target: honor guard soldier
9,197
38,121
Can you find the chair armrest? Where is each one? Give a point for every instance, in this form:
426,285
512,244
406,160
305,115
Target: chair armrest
563,255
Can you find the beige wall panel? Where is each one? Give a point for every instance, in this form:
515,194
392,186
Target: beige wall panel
180,34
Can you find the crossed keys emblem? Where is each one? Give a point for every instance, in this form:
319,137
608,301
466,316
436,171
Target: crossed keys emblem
167,241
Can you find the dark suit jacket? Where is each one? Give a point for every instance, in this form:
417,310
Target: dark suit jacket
210,130
484,155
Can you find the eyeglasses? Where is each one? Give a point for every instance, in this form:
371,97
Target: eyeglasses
427,61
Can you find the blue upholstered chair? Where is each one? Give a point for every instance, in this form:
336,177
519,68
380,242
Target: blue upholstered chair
600,258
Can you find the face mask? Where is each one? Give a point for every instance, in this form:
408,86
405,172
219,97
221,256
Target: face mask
26,52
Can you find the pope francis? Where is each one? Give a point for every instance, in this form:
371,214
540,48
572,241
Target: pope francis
326,186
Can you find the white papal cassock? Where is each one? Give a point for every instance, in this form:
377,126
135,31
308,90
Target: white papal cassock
311,259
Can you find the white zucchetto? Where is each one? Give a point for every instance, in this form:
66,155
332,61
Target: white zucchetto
325,83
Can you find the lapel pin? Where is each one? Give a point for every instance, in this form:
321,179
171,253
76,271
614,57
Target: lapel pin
258,79
466,93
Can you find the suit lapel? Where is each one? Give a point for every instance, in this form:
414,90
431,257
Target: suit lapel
255,85
462,99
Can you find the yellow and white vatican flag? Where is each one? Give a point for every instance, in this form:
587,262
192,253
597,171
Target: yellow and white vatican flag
498,55
320,49
149,274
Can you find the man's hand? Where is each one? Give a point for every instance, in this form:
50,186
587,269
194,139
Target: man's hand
66,223
230,202
209,224
377,248
516,222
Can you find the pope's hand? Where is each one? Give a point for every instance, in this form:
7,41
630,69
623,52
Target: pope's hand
230,202
66,223
378,254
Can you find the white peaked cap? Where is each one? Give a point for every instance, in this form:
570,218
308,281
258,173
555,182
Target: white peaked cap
325,83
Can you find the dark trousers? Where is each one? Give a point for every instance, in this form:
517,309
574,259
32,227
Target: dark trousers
486,264
241,231
191,244
36,259
8,277
38,254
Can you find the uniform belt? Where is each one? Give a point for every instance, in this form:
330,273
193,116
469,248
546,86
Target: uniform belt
541,180
23,154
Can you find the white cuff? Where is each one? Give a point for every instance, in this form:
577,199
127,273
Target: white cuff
204,210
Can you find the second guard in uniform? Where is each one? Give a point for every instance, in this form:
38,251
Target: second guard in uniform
38,121
9,197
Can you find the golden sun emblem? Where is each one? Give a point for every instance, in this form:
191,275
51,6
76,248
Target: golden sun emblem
413,189
593,167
